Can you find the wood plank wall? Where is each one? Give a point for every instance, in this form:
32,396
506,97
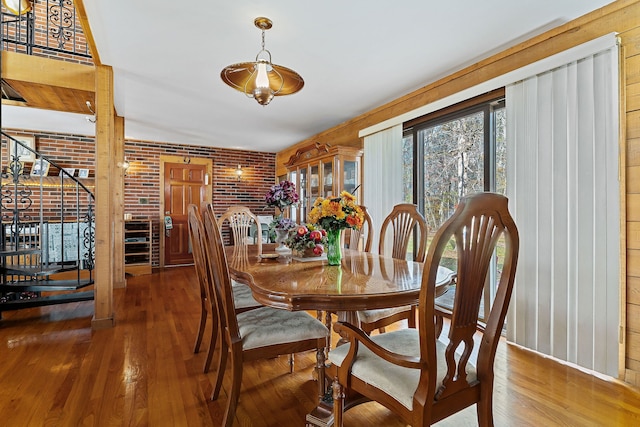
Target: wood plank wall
623,17
631,44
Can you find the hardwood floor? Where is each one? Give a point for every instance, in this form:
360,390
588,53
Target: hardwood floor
56,371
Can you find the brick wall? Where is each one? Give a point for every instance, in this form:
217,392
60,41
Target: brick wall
142,181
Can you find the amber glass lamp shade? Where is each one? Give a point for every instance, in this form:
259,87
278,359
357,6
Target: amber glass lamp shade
17,7
261,79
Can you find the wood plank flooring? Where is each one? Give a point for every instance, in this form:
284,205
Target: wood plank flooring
56,371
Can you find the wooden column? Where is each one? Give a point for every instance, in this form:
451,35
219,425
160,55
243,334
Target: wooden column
104,184
119,280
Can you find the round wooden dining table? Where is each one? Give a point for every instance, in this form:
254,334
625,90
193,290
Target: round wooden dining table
363,281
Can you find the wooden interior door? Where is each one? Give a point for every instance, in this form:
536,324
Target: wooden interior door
184,183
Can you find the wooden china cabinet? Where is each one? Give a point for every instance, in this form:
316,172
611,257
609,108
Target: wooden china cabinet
322,170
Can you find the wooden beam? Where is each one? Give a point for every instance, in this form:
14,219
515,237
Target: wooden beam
105,168
49,84
81,13
119,280
48,72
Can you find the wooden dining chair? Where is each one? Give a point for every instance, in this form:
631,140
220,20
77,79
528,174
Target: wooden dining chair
243,299
361,239
403,221
262,333
206,302
410,371
240,220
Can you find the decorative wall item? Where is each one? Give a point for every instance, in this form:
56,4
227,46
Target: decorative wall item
83,173
40,168
70,172
23,154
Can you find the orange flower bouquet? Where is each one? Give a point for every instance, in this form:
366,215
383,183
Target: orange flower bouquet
334,214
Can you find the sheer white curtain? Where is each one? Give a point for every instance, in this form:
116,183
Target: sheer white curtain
382,175
562,182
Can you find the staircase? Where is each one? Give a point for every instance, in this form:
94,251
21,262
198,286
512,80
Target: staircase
47,252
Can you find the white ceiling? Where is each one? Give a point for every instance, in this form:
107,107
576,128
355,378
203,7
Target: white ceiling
353,55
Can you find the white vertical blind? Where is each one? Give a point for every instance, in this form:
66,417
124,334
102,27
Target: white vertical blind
382,175
562,182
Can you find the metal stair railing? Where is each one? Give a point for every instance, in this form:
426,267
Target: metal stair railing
48,230
49,26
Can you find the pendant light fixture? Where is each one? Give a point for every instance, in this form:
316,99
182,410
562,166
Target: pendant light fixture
261,79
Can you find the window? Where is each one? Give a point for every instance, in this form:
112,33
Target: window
456,152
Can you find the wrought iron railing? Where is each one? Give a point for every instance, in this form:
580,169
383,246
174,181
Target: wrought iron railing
47,222
49,28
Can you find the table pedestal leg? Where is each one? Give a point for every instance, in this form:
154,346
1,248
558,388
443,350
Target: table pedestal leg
322,415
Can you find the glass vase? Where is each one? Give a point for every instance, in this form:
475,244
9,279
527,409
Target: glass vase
281,236
334,253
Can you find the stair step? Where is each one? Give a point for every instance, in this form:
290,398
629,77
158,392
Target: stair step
37,271
45,285
46,300
19,252
61,267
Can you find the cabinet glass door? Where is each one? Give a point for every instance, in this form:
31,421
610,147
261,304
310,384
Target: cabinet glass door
350,178
327,179
293,212
304,196
314,184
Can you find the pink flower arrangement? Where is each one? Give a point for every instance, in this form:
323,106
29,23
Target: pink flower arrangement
307,237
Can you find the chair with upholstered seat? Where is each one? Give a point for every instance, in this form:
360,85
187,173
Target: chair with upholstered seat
403,221
240,220
243,299
410,371
261,333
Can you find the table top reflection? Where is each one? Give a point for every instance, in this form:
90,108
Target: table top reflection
363,281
